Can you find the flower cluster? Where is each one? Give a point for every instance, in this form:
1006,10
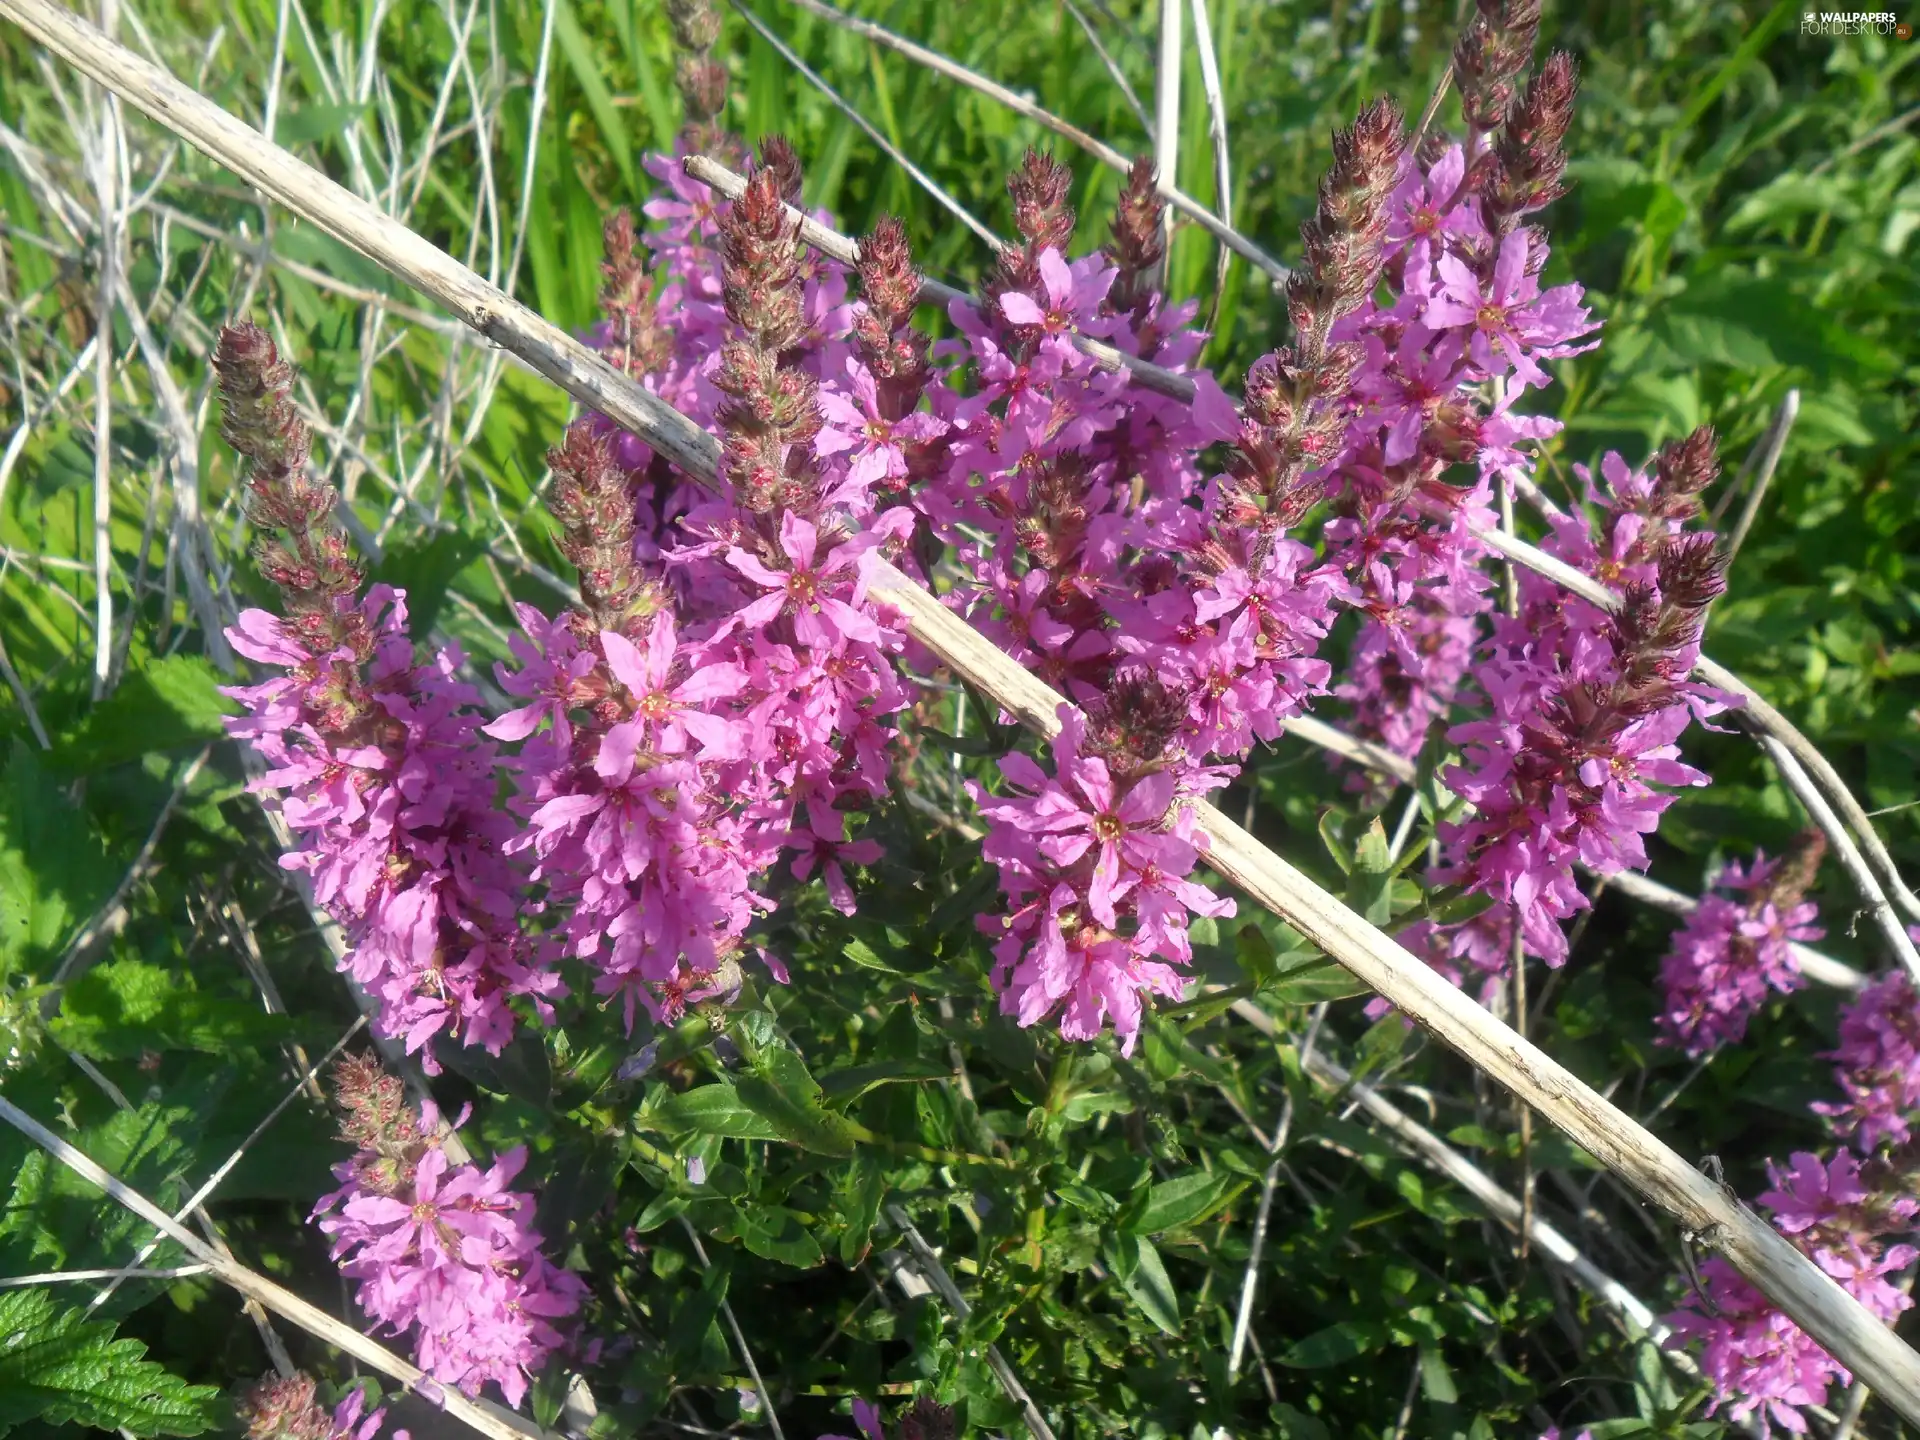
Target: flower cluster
376,762
1878,1064
1736,947
719,698
284,1408
444,1251
1586,705
1102,555
1763,1366
1850,1212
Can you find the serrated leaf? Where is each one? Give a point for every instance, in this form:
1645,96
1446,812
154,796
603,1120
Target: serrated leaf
163,705
58,1367
53,870
55,1219
120,1010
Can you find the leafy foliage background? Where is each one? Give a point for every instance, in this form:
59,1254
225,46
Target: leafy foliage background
1743,216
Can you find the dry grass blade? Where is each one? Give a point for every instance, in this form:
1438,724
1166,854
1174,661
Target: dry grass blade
64,1277
484,1419
921,178
1429,1149
1765,455
1800,1289
1276,1147
1113,69
1217,132
1102,151
1166,121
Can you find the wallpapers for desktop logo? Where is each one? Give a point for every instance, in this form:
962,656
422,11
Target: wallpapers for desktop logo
1855,22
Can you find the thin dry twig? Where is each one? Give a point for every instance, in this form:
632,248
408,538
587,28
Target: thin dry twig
1217,132
1276,1146
1878,909
484,1419
1435,1153
111,918
1113,69
893,152
62,1277
935,1274
1792,1282
1766,456
739,1339
1099,149
199,1197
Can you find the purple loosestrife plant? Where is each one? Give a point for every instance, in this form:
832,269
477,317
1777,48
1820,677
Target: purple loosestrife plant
720,698
1175,660
285,1408
442,1252
1850,1211
1737,947
1586,706
376,763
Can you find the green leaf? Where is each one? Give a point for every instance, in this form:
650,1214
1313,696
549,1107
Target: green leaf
586,69
788,1098
772,1232
866,957
124,1008
1185,1200
842,1087
53,871
867,1187
60,1368
1436,1379
687,1336
709,1110
1306,977
424,567
315,122
1336,1344
163,705
1137,1266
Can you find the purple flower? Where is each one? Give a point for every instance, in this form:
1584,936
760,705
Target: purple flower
1071,294
821,619
443,1252
1508,313
1878,1065
874,445
1729,956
